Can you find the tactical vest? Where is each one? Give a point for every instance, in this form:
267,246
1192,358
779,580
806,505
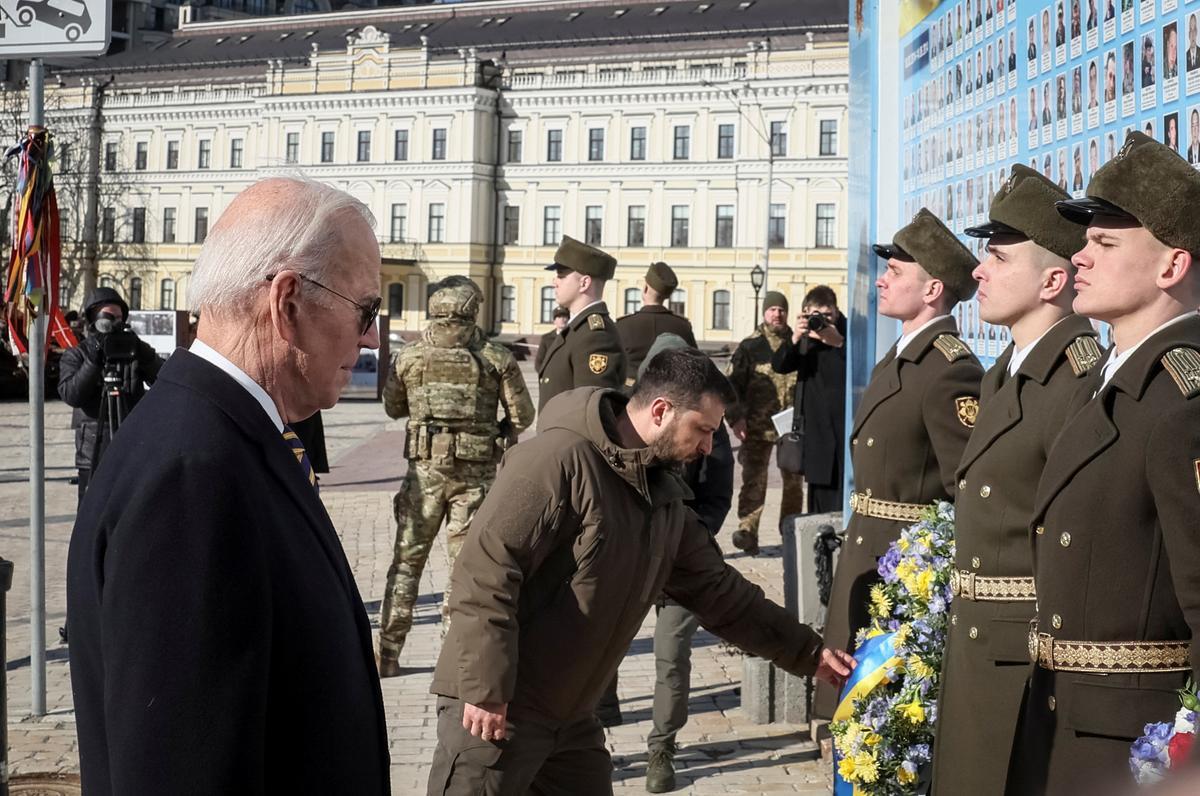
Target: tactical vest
453,397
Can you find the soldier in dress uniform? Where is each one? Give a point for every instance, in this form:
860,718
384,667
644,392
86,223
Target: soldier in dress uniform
560,317
1115,549
914,418
588,351
1025,283
639,330
762,392
449,384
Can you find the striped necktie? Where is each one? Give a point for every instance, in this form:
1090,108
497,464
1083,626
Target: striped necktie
291,438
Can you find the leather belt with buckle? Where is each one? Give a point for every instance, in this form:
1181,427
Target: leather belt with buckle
864,504
970,586
1105,657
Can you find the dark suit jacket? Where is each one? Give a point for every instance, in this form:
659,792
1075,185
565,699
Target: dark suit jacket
639,331
821,371
218,641
544,343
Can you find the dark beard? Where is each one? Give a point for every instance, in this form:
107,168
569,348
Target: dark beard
665,450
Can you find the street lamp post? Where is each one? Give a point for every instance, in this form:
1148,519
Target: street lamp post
758,277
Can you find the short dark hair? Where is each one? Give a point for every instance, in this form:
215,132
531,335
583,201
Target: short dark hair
561,312
682,376
820,296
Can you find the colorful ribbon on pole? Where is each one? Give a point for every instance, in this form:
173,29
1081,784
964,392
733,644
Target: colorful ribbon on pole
35,262
875,657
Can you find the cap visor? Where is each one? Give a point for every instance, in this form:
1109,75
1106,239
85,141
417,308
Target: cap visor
555,267
889,251
1082,211
991,229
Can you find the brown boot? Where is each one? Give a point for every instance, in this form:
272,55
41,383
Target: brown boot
388,666
746,541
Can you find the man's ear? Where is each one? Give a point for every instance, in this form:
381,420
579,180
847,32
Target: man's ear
658,410
284,301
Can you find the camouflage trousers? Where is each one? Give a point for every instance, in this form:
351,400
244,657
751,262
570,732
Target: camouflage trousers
755,458
426,498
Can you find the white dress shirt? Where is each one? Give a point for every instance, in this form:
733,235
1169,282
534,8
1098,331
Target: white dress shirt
1115,361
908,338
210,355
1019,354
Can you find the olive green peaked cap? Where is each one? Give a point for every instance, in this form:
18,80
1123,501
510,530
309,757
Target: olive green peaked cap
1026,206
583,258
928,242
1148,183
661,278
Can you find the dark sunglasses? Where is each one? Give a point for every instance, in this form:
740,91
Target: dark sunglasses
367,312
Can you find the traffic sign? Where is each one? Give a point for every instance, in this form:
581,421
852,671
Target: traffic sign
37,28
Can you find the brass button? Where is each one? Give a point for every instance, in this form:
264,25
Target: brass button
1056,621
954,619
962,484
1050,703
985,491
858,540
854,441
870,442
1065,539
975,562
868,493
973,632
1041,529
545,381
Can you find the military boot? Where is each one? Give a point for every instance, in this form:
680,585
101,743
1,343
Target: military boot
660,770
387,665
746,541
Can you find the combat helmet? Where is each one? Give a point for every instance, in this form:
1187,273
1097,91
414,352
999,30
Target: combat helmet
455,297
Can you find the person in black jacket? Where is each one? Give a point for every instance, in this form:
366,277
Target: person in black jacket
818,358
80,381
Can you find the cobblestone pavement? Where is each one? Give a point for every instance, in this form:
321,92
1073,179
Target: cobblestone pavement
722,752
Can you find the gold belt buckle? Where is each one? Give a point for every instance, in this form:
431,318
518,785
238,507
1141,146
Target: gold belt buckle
966,584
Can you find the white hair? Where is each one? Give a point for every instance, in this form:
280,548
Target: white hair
301,234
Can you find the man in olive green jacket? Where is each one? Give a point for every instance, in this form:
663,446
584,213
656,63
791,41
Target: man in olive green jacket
1025,283
584,529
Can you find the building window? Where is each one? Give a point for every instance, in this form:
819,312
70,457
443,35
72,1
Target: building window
777,226
725,141
679,225
135,293
554,146
168,225
828,141
826,226
683,142
515,140
637,226
508,304
399,228
512,224
396,299
364,146
551,225
167,294
201,225
400,145
172,155
437,222
327,147
439,143
204,156
237,148
720,309
293,148
593,224
724,226
110,156
678,302
548,305
141,155
64,159
596,143
779,139
637,143
633,300
108,225
138,234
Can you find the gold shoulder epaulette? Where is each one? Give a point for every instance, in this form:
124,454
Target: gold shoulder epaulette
1083,354
951,347
595,321
1184,366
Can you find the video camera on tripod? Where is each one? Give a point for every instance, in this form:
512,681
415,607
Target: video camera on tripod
119,347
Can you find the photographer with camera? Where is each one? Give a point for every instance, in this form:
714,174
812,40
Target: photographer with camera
816,353
103,378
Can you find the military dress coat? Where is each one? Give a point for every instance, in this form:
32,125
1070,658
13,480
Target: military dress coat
639,331
1116,559
906,442
986,660
587,353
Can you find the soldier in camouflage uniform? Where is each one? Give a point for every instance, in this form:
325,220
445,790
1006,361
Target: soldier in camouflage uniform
761,393
449,384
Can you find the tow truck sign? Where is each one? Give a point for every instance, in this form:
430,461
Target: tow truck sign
36,28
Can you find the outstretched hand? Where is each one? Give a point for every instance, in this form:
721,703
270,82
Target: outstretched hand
835,666
486,721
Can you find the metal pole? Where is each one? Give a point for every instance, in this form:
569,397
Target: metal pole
767,237
6,573
37,463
